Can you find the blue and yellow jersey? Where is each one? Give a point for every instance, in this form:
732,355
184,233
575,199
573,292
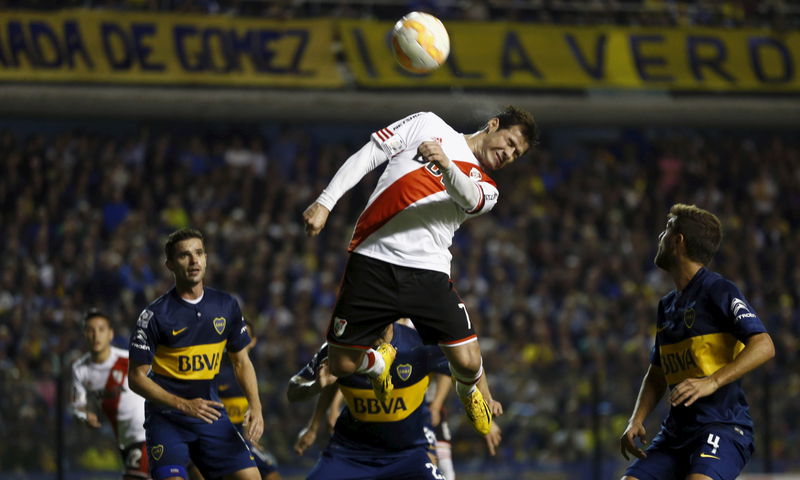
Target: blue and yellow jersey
367,426
700,329
185,342
231,394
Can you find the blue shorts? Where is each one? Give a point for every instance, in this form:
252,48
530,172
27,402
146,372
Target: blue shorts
412,464
265,462
718,451
173,440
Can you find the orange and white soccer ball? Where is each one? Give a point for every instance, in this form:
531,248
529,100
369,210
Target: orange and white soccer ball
420,42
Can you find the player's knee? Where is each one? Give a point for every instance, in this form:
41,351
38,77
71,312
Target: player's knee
466,365
468,369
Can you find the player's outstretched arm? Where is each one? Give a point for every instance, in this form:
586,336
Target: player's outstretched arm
349,174
653,387
308,434
246,376
143,385
315,217
758,349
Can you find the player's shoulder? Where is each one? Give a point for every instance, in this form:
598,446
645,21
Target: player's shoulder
715,284
668,298
82,362
424,119
161,304
119,352
714,279
219,296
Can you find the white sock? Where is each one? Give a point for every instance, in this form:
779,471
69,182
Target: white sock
464,390
465,386
371,363
444,455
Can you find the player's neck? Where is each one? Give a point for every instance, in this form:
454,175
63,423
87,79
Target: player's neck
474,141
684,272
101,356
189,292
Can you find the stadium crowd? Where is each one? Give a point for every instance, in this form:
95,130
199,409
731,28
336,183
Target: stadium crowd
780,14
559,278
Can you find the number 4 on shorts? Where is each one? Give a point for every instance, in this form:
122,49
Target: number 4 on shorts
713,440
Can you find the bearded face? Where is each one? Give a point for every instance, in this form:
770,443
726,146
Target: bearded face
666,256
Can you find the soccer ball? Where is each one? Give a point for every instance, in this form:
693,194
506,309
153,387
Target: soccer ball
420,42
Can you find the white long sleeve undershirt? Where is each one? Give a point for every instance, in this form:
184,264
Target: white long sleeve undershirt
351,172
463,191
458,185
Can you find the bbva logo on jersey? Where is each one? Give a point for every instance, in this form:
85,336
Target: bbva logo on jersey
198,362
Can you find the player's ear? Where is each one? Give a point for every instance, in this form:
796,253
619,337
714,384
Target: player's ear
492,125
680,242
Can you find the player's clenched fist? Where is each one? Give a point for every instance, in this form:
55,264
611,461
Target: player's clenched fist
432,152
315,217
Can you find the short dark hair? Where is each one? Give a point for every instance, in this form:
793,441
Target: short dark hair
96,313
701,230
179,236
512,115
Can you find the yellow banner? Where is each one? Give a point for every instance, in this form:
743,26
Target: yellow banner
122,47
516,55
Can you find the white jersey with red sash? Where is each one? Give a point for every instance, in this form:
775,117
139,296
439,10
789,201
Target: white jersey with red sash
105,385
410,219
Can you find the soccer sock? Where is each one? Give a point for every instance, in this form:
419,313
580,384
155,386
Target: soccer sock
371,363
444,454
465,386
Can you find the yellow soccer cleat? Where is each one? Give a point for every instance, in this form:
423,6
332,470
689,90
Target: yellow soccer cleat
478,412
382,384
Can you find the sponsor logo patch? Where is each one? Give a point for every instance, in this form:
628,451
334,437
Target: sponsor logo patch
140,336
740,310
144,318
475,174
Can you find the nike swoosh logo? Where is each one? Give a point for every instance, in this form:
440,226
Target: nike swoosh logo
175,332
705,455
661,328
